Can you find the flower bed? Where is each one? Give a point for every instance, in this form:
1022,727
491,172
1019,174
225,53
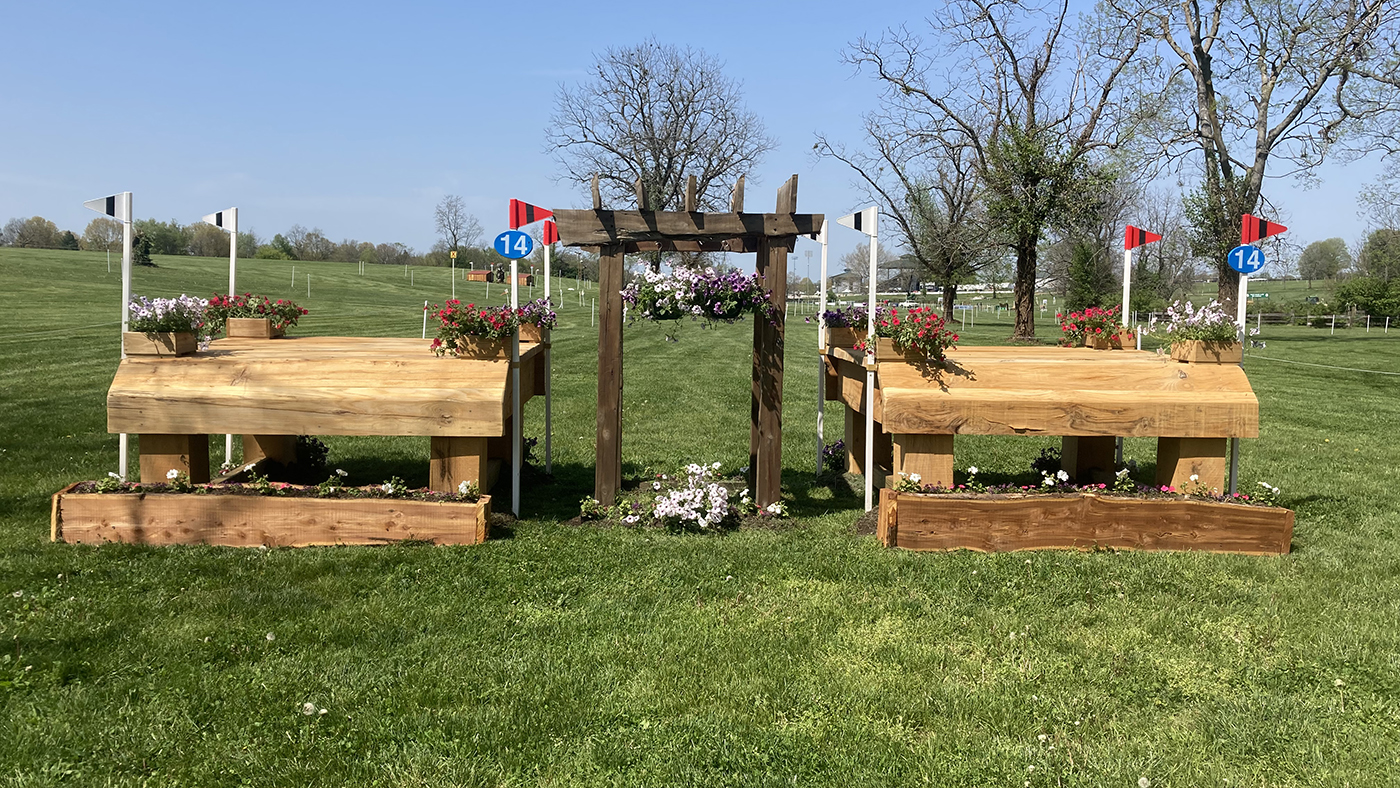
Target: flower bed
265,513
697,500
1079,519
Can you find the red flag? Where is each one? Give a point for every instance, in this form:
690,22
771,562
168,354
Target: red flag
551,232
523,213
1136,237
1252,229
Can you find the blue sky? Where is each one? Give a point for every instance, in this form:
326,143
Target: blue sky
358,117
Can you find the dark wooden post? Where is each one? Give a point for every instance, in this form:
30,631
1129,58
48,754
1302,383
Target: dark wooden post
607,478
766,411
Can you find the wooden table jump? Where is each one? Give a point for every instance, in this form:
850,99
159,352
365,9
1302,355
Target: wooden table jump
273,390
1088,397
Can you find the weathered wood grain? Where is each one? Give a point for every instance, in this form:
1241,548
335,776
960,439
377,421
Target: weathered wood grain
161,345
608,452
312,386
943,522
601,228
250,521
929,456
1088,458
281,448
454,460
162,453
252,328
1178,459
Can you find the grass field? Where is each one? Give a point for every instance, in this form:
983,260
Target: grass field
565,655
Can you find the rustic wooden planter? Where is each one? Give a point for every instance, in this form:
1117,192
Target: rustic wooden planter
252,328
533,333
844,336
1081,521
253,520
181,343
481,347
1198,351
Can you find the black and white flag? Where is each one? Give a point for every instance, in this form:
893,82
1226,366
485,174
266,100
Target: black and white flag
863,221
223,219
113,206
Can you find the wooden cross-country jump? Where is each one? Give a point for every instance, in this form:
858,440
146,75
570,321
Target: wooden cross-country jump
614,234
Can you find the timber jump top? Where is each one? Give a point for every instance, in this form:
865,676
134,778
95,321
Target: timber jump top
317,386
1058,391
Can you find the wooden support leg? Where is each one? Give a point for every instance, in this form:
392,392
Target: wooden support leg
498,447
930,456
281,448
607,478
1180,458
455,460
160,454
1082,457
855,441
766,429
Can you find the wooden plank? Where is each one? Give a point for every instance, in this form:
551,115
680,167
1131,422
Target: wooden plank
160,345
597,197
690,194
643,204
946,522
929,456
736,197
1088,459
854,438
280,448
1178,459
53,515
601,228
887,522
456,460
608,453
731,245
162,453
251,520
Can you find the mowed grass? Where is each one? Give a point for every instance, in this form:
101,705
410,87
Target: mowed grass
570,655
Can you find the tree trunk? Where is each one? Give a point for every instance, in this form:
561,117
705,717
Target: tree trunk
1227,292
950,296
1025,291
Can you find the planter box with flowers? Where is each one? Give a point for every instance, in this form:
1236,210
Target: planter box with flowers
265,514
164,326
484,332
1200,336
914,335
1083,518
1099,329
252,317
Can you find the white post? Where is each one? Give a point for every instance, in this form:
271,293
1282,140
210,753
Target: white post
1334,325
1127,282
1259,321
109,259
1368,324
821,362
1241,297
548,253
294,277
1387,325
425,319
870,342
454,277
592,310
515,426
122,441
232,288
308,285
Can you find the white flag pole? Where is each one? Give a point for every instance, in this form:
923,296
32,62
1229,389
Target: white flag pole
122,441
515,425
1127,282
870,342
232,288
548,248
548,374
821,361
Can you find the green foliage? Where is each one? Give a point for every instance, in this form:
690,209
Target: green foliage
1370,294
171,238
67,240
141,250
1035,183
1380,256
1323,259
1091,281
271,252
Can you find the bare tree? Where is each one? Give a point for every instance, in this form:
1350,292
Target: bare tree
102,234
457,227
656,113
1240,85
1033,103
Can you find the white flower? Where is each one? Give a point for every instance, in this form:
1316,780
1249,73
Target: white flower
1062,476
1195,477
715,466
1143,782
387,487
915,478
250,466
1042,737
656,485
324,711
342,474
114,476
271,637
463,487
972,470
172,474
1123,473
308,708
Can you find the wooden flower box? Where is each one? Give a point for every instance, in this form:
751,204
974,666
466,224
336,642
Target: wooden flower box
1198,351
533,333
1079,521
252,328
239,520
180,343
471,346
843,336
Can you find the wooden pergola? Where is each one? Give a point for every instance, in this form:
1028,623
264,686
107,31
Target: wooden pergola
771,236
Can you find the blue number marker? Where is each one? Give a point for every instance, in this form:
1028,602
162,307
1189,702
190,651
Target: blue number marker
1246,259
514,244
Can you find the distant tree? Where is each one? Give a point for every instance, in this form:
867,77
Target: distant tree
102,235
1380,255
393,254
1323,260
206,240
1091,279
36,232
141,249
9,234
1370,294
857,265
368,255
457,227
67,240
248,243
656,113
165,237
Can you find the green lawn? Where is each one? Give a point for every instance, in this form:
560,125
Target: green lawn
565,655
